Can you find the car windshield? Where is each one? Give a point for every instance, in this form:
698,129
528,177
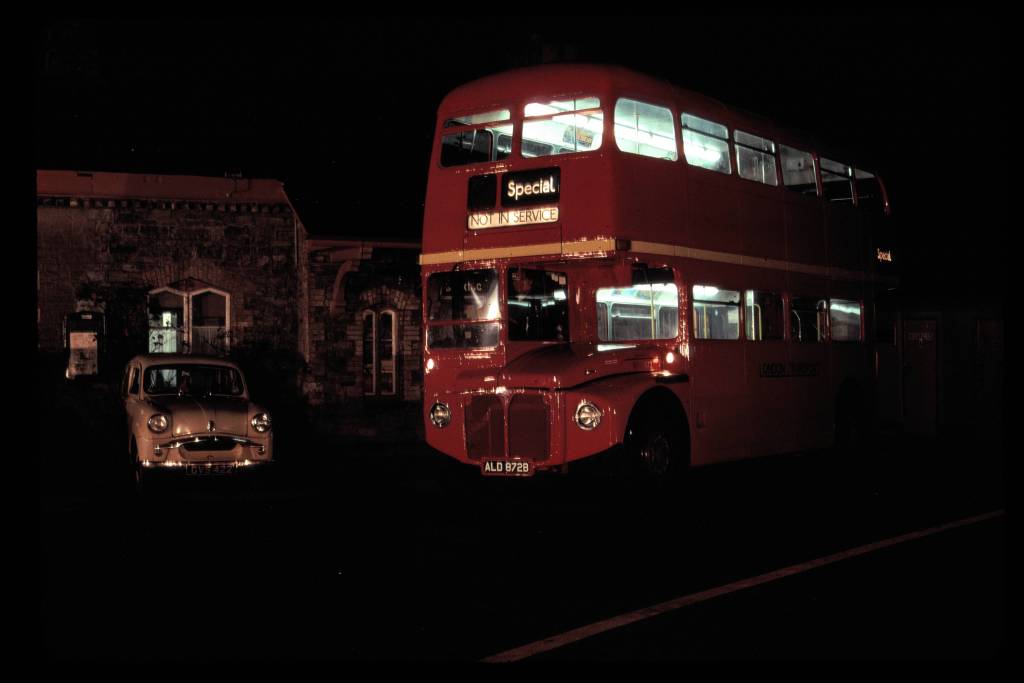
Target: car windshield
194,380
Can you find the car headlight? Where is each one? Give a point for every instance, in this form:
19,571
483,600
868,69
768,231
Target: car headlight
588,416
158,423
440,415
261,422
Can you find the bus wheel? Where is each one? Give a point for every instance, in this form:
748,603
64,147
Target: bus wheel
655,448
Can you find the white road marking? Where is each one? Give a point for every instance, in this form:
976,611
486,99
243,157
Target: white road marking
577,634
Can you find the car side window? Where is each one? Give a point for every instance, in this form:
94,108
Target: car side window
134,388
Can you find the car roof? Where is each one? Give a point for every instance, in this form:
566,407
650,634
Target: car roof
147,359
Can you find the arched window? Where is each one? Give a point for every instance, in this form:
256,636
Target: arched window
167,321
198,321
210,321
379,341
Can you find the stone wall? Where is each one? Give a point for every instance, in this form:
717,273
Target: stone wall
107,254
344,281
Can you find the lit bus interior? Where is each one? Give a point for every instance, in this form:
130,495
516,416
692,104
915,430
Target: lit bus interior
573,126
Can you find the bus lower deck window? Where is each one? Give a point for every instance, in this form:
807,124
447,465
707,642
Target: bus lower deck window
763,313
808,320
640,311
716,313
845,319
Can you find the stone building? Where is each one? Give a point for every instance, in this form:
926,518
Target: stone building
363,336
225,265
175,263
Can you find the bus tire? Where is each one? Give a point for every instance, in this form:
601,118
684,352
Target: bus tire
656,443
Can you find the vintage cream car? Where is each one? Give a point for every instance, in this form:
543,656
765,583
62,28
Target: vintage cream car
192,414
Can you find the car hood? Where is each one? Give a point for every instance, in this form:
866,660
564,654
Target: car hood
193,414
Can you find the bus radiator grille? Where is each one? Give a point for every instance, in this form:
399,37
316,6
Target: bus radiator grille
528,427
485,427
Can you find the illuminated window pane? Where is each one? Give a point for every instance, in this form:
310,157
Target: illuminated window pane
705,144
755,158
563,131
716,313
560,107
797,170
483,117
645,129
845,320
642,311
706,152
754,142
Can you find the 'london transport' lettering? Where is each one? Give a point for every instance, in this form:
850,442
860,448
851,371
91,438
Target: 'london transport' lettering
505,219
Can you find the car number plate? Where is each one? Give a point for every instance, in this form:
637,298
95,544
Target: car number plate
506,468
203,469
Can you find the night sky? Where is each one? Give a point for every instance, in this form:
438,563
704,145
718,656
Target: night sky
342,111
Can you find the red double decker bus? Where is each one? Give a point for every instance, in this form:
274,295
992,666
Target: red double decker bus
612,261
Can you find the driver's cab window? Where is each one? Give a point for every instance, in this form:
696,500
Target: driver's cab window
133,386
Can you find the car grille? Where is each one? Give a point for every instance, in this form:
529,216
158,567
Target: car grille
207,444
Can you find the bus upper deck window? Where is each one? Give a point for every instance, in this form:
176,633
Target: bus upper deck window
797,170
869,194
706,144
755,158
836,181
645,129
479,144
562,127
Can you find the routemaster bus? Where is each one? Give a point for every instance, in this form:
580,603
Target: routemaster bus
613,264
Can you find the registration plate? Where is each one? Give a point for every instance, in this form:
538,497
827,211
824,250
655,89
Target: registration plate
506,468
211,468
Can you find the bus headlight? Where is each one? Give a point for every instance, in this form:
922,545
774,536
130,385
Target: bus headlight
588,416
440,415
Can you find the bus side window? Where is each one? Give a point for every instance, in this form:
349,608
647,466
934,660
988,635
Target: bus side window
797,170
716,313
845,320
808,320
837,181
645,129
764,317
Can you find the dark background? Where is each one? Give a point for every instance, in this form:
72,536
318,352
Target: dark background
318,103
